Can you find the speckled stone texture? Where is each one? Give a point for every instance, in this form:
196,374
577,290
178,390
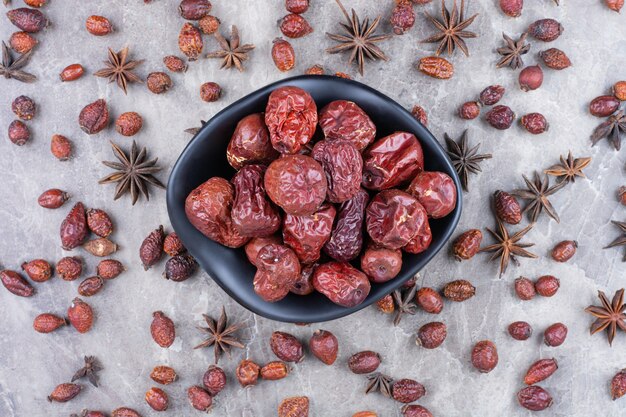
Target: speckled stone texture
31,364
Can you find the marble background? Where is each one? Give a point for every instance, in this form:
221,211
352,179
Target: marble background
31,364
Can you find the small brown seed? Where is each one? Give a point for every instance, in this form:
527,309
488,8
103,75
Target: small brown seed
431,335
531,78
99,222
52,198
364,362
459,290
98,25
520,330
563,251
22,42
294,407
172,245
467,244
190,41
555,334
274,371
162,329
64,392
164,375
210,92
436,67
429,300
194,9
540,370
18,133
469,110
247,373
151,249
90,286
386,304
94,117
507,207
419,114
214,380
47,322
158,82
39,270
100,247
157,399
199,398
72,72
547,285
80,315
491,95
69,268
175,64
546,30
407,390
16,284
524,288
324,346
555,59
604,106
61,147
24,107
485,356
286,347
500,117
618,385
534,398
129,123
534,123
28,20
209,24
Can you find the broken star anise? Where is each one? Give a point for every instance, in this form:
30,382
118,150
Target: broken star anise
132,173
194,130
610,316
232,53
512,52
620,240
405,303
89,370
451,29
537,192
569,168
221,335
612,129
13,68
120,69
465,160
508,247
379,382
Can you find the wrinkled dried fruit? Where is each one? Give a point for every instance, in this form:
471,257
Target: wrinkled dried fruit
306,235
52,198
343,165
364,362
555,335
315,70
162,329
436,67
512,8
180,267
98,25
190,41
435,191
520,330
80,315
393,218
158,82
459,290
18,133
615,5
256,244
64,392
563,251
545,30
531,78
164,375
386,304
151,249
90,286
157,399
194,9
22,42
491,95
324,346
391,161
278,269
283,55
38,270
286,347
604,106
485,356
507,207
129,123
199,398
99,222
429,300
524,288
124,412
618,385
214,380
343,284
381,264
294,26
547,285
247,373
540,370
345,120
534,123
274,371
469,110
174,63
291,117
555,58
61,147
407,390
431,335
29,20
172,245
534,398
346,239
72,72
74,227
16,284
210,92
414,410
24,107
69,268
365,414
294,407
296,6
209,24
304,283
619,90
467,244
46,323
250,143
94,117
100,247
419,114
402,17
500,117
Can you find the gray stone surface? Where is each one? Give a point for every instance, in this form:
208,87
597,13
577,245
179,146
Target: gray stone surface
32,364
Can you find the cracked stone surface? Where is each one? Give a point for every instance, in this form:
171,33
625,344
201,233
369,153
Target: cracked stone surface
31,364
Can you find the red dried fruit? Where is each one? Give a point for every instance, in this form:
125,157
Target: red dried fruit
190,41
563,251
304,283
61,147
402,17
436,67
151,249
324,346
467,244
306,235
524,288
162,329
485,356
46,323
419,114
615,5
343,164
459,290
274,371
386,304
157,399
18,133
294,26
431,335
346,239
500,117
74,227
69,268
414,410
294,407
64,392
16,284
100,247
534,123
94,117
283,55
174,63
407,390
72,72
531,78
214,380
555,59
80,315
381,264
52,198
199,398
545,30
124,412
256,244
520,330
393,218
28,20
345,120
297,6
22,42
194,9
129,123
469,110
507,207
429,300
98,25
180,268
423,238
618,385
534,398
512,8
38,270
99,222
364,362
547,285
286,347
247,373
604,106
90,286
435,191
172,245
491,95
391,161
365,414
252,213
341,283
164,375
315,70
209,25
619,90
24,107
210,92
555,335
158,82
540,370
291,117
250,143
278,270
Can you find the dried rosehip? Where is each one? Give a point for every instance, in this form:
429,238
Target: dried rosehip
512,8
621,195
540,370
46,323
304,283
214,380
520,330
100,247
90,286
72,72
459,290
500,117
74,227
80,315
491,95
393,218
180,267
467,244
194,9
485,356
563,251
386,304
431,335
524,288
391,161
210,92
124,412
98,25
162,329
324,346
615,5
283,55
151,249
407,390
24,107
297,184
419,114
278,269
69,268
342,119
157,399
291,117
53,198
604,106
341,283
555,59
436,67
342,164
94,117
402,17
414,410
199,398
99,222
429,300
297,6
256,244
294,26
172,245
619,90
534,123
38,270
64,392
531,78
164,375
250,143
247,373
435,191
365,414
534,398
18,133
28,20
61,147
175,64
252,213
209,24
618,385
22,42
294,407
208,209
158,82
555,334
274,371
129,123
545,30
381,264
547,285
346,238
16,284
469,110
190,41
507,207
286,347
315,70
364,362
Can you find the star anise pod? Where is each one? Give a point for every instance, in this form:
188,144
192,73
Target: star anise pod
537,192
405,303
569,168
6,2
610,316
194,130
120,69
612,129
232,53
465,160
620,240
379,382
13,68
451,29
89,370
512,52
132,173
508,247
221,335
359,37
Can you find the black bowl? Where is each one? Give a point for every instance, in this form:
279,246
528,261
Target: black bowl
205,157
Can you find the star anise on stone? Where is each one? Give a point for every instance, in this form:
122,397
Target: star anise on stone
13,68
620,240
465,159
537,192
512,52
232,53
379,382
194,130
508,247
221,335
360,38
405,303
610,316
132,173
612,129
89,370
569,168
451,29
119,68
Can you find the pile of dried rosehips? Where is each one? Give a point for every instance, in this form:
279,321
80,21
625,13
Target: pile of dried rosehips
294,197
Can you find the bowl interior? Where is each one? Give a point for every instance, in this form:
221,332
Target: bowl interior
205,157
